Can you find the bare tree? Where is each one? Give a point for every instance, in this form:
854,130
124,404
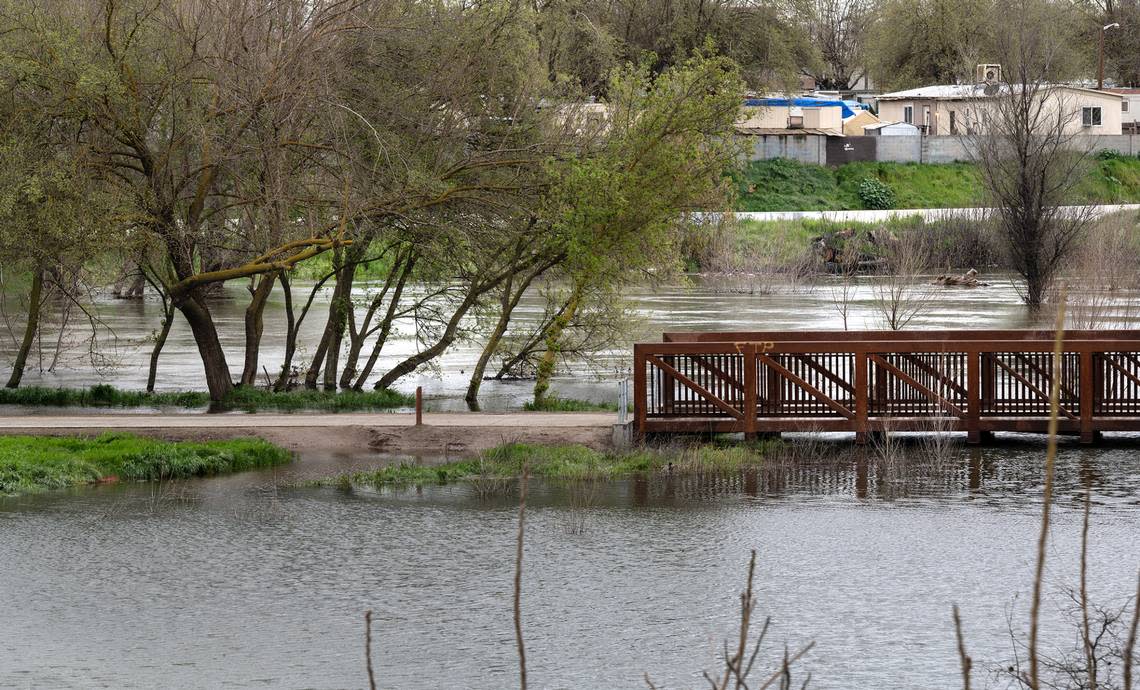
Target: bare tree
1102,269
1026,146
838,29
902,294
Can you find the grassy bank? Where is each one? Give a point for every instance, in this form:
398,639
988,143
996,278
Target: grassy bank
39,463
552,404
564,462
244,399
785,185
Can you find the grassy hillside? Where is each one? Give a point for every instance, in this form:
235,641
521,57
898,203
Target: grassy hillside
785,185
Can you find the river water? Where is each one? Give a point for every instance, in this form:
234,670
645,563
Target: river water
250,581
740,303
242,582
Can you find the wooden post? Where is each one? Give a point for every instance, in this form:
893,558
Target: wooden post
861,402
1086,403
668,388
751,391
973,398
419,405
639,393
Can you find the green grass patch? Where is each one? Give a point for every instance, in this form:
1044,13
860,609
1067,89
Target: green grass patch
39,463
245,399
553,404
564,462
786,185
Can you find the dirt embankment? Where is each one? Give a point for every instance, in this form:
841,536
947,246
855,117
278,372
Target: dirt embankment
443,435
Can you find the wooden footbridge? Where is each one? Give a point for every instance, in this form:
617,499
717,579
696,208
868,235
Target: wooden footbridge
978,382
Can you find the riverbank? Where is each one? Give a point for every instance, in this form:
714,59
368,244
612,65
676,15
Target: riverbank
563,462
240,399
30,464
442,434
787,185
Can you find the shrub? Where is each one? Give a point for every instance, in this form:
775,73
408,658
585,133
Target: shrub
1109,155
876,195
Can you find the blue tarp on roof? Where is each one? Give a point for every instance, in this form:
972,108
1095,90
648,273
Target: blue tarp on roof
847,108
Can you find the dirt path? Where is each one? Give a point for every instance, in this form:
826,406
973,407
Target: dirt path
451,433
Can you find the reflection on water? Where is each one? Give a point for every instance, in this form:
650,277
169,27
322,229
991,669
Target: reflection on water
705,303
244,582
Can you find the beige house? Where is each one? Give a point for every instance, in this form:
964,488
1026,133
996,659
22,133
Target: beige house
822,119
1129,109
956,110
855,125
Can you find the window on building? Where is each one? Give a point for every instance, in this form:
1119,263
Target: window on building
953,122
926,119
1090,116
1124,106
908,114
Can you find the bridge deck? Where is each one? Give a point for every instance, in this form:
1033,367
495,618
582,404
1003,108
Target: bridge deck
865,381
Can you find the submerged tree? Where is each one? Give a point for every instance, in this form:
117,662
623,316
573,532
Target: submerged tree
1028,150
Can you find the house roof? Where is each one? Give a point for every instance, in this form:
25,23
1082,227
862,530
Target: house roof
845,109
883,125
957,92
1125,92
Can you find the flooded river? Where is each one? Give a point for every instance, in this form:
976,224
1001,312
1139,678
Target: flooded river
700,304
250,582
241,582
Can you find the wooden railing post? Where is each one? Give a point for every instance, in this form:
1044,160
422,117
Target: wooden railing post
973,397
1086,403
668,388
861,402
639,393
751,390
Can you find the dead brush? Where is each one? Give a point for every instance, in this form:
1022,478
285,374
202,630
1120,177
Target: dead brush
583,494
740,659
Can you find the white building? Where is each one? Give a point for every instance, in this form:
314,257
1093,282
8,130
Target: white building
891,129
1129,110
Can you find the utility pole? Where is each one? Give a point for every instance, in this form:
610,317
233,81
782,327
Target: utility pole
1100,62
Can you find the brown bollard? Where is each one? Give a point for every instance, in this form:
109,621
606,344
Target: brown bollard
419,405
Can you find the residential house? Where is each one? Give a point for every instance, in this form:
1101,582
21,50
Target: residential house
891,129
793,115
1129,110
955,109
853,126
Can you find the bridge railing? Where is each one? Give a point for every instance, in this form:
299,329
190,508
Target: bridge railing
972,381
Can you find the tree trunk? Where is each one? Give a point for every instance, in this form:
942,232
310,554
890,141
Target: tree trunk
357,336
343,311
282,382
255,326
386,324
550,357
197,314
159,342
449,334
29,329
506,306
333,323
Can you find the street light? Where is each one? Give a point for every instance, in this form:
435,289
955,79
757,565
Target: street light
1100,63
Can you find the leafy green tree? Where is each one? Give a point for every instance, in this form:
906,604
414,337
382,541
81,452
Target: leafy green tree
616,207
